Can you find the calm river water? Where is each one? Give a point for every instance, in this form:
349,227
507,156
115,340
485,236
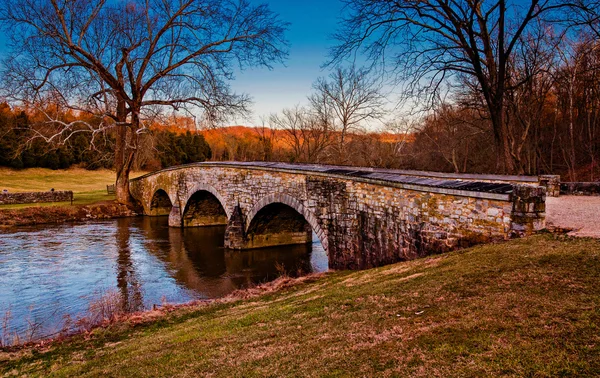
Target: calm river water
52,273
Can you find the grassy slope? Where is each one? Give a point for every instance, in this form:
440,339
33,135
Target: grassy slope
88,186
529,307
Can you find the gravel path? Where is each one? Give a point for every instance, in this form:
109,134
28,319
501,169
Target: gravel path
578,213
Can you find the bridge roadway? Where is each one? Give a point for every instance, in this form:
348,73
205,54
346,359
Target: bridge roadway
364,217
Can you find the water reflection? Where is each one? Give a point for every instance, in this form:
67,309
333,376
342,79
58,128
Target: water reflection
198,261
47,273
128,283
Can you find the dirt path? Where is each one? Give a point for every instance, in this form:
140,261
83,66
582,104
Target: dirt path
578,213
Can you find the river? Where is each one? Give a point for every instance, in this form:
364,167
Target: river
50,275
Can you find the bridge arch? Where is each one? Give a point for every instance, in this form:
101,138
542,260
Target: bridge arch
204,206
201,186
293,203
160,203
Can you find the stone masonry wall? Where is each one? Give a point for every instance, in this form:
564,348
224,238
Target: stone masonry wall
580,188
552,184
361,223
35,197
390,224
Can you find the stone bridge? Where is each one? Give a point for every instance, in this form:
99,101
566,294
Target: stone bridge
363,217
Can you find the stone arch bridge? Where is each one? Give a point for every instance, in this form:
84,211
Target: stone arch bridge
363,217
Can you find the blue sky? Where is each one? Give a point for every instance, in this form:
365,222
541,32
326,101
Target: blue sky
311,24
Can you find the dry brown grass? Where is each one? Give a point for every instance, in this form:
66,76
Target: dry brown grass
525,308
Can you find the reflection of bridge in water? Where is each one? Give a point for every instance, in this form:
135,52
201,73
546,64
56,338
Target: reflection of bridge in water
196,259
362,217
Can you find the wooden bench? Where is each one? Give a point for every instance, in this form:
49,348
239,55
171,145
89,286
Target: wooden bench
110,189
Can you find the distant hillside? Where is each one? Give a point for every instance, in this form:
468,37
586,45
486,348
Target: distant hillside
260,143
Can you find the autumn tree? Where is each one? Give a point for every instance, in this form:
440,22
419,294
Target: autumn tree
125,61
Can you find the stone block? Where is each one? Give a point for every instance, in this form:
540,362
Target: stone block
552,184
492,212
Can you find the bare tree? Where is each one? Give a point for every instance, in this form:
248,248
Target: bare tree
427,44
126,61
587,15
308,135
530,82
577,92
266,138
452,131
292,122
348,99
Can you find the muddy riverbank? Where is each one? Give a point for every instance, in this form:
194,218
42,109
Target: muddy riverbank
60,214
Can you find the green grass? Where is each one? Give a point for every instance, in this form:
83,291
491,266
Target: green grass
526,308
88,186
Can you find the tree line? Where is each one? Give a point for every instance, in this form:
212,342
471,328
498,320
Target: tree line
551,118
121,64
162,148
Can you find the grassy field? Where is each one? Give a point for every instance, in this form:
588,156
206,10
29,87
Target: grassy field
526,308
88,186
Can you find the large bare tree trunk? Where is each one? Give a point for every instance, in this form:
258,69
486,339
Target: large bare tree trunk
505,161
122,184
124,155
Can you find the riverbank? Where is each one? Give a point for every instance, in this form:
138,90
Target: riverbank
28,216
528,307
91,200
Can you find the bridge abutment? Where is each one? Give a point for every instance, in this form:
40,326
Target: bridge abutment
529,210
234,233
175,217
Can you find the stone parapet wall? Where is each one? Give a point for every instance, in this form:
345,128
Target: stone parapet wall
35,197
514,179
552,184
529,210
361,222
580,188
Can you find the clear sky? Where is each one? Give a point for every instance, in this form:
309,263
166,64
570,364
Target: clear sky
311,24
